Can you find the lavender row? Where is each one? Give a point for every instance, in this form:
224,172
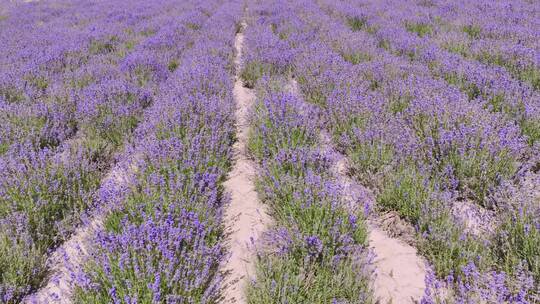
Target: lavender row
504,237
493,87
51,73
163,242
407,92
512,22
317,251
485,37
45,191
39,81
505,28
516,241
405,148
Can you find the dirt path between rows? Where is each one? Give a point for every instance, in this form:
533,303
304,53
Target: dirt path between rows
245,216
69,258
399,271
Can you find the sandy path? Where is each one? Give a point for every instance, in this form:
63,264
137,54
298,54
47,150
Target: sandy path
399,271
69,257
245,216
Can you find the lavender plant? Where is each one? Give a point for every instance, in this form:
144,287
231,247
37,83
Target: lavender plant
410,150
78,119
318,251
171,221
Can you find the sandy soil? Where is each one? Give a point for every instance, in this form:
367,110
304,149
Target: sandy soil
70,257
481,221
399,271
529,188
474,218
245,216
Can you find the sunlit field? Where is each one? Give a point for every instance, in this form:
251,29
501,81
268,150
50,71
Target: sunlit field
249,151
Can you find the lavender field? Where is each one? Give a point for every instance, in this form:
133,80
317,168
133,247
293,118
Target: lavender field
261,152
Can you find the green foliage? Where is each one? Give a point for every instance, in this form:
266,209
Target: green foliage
39,82
260,146
356,57
4,147
446,245
21,263
460,48
193,26
29,127
531,128
346,126
125,48
314,94
399,103
304,206
492,58
147,32
12,94
497,103
130,45
105,134
384,44
294,279
370,157
531,75
518,240
474,31
471,89
315,97
267,137
357,23
103,46
173,65
477,169
46,208
98,149
81,81
405,190
252,72
420,29
440,240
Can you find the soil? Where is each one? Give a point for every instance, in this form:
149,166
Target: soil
245,216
